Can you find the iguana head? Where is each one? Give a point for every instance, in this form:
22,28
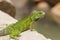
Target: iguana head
36,14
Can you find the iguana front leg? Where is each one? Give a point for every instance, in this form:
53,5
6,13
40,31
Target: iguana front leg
31,25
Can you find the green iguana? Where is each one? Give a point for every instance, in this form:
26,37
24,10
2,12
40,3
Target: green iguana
15,29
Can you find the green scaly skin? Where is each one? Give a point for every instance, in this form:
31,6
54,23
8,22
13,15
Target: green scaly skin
15,29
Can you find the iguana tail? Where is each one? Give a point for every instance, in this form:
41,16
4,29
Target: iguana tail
4,32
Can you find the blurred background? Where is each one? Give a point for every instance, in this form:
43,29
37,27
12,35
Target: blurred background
49,25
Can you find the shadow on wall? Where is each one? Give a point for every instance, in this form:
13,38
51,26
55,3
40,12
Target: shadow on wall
8,8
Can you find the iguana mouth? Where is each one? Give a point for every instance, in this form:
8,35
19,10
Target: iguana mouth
37,19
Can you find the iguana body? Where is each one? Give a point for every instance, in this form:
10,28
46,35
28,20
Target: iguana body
15,29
